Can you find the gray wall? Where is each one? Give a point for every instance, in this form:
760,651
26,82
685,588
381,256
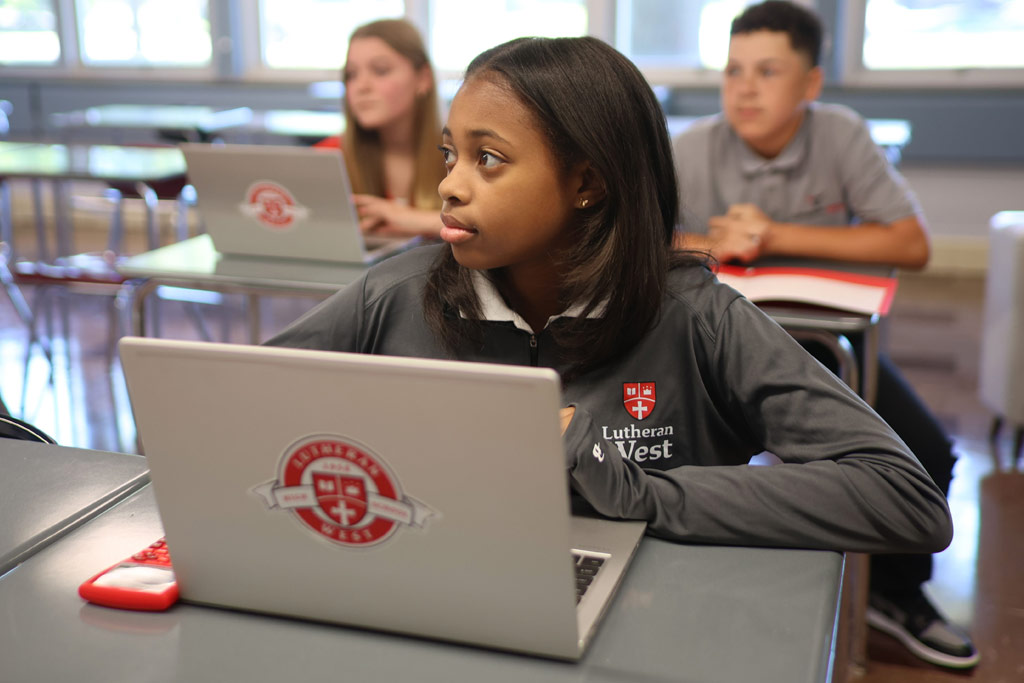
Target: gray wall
973,126
947,126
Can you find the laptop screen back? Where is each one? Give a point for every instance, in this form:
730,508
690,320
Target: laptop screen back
276,201
411,495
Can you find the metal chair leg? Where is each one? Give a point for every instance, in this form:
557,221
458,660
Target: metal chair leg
1018,447
993,441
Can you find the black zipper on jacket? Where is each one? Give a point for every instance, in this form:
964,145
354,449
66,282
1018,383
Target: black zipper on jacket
533,350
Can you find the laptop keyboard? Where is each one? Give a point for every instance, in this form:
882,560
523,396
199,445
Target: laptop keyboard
587,565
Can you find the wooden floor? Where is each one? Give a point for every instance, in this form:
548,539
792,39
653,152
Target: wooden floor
932,334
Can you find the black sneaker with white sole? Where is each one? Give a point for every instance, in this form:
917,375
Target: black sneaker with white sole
915,622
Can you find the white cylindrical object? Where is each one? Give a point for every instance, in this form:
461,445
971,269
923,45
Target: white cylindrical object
1001,372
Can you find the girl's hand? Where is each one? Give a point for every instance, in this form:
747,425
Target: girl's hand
386,217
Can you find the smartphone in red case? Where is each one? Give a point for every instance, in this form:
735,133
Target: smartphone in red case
144,581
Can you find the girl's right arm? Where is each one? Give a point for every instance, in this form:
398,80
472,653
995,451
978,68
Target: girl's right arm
847,482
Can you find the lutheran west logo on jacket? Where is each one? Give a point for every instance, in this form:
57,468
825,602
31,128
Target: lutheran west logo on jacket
638,398
640,444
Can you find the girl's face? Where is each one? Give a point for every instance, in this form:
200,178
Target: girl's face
381,85
506,202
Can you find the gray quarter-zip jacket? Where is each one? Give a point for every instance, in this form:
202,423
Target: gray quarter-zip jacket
664,433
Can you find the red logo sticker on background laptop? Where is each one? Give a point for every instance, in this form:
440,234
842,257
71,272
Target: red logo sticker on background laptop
638,398
272,205
341,491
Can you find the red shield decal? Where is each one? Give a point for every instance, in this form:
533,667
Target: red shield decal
342,498
638,398
272,205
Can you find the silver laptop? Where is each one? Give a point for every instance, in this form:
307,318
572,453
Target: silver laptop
417,496
281,202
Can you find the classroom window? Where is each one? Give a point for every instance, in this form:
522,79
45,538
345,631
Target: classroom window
963,34
133,33
462,29
313,34
682,35
28,33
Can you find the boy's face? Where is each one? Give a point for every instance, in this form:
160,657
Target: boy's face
506,200
765,88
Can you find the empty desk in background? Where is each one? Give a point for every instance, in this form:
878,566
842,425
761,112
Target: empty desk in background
701,613
195,264
280,126
113,122
62,164
46,491
168,121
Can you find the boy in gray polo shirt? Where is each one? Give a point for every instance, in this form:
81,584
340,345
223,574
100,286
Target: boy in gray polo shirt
777,174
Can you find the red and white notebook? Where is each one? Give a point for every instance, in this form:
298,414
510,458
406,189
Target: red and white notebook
853,292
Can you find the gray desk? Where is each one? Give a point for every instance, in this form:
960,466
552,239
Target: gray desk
169,120
829,326
61,164
694,613
199,123
277,125
47,491
195,264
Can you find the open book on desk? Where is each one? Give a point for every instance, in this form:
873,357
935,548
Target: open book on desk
838,289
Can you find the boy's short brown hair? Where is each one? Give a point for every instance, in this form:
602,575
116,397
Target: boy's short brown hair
803,26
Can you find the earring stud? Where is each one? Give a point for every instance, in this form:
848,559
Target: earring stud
583,202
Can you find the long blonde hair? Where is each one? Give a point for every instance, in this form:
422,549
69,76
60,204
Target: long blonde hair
363,153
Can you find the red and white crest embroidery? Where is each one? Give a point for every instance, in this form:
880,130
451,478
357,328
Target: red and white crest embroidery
638,398
341,491
272,205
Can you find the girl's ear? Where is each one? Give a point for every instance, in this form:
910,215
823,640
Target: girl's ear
424,81
591,189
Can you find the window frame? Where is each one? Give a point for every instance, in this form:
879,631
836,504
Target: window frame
236,41
34,67
46,70
71,66
664,73
251,67
234,33
853,73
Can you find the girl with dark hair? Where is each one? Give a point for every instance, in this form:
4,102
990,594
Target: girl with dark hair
558,209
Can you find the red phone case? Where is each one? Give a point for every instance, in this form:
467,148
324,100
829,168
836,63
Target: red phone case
144,581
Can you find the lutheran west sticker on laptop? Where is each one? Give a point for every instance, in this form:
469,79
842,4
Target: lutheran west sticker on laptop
272,205
341,491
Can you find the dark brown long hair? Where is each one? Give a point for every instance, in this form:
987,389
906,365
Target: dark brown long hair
593,105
